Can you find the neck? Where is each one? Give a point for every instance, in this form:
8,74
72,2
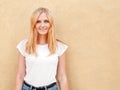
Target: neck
42,39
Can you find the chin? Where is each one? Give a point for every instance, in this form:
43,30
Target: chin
42,33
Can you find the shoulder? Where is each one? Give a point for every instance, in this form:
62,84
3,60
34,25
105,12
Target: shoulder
21,46
61,47
24,41
61,42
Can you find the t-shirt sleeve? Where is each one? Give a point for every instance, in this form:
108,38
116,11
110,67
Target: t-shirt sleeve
21,46
61,48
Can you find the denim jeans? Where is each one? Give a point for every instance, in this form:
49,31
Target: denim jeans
28,88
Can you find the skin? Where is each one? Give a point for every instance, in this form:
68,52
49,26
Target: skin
42,26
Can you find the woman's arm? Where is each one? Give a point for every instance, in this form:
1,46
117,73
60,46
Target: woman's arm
61,73
20,73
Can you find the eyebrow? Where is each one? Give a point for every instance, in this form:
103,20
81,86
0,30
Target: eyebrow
38,21
44,21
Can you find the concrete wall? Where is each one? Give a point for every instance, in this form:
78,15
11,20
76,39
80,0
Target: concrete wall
91,28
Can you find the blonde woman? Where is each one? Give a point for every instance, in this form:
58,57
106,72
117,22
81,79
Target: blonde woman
41,57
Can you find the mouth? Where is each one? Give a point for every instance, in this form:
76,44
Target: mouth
42,29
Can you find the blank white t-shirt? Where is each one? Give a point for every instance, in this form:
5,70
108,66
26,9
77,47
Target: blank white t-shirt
41,69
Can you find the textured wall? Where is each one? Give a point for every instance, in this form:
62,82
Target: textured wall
91,28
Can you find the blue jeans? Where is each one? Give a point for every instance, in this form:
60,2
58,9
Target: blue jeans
28,88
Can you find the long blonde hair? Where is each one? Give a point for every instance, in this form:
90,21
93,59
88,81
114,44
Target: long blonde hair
32,41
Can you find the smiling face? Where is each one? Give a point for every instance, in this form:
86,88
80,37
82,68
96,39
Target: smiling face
42,25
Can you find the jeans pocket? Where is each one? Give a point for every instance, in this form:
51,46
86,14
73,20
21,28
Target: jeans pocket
24,87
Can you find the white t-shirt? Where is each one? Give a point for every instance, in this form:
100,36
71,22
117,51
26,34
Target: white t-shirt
41,70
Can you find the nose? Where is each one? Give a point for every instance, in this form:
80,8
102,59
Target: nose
42,24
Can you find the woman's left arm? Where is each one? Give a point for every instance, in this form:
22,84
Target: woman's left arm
61,73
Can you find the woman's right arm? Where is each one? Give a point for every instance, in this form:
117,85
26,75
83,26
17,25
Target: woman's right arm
20,73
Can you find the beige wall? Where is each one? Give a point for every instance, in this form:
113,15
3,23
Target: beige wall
91,28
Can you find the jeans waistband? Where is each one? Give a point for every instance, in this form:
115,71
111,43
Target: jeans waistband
41,87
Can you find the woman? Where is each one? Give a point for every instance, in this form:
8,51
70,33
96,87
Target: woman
41,57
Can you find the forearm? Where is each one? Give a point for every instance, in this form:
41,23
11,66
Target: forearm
63,85
18,83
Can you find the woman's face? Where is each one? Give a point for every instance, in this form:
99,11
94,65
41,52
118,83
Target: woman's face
42,24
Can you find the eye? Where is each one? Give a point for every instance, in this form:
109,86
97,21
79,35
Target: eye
38,21
46,21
